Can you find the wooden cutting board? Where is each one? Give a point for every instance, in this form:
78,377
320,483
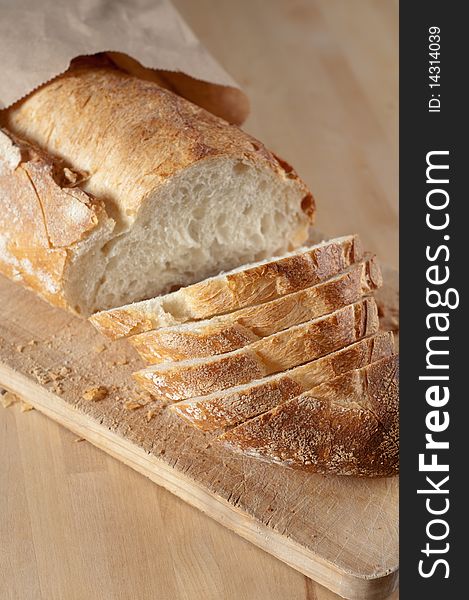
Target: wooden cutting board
341,532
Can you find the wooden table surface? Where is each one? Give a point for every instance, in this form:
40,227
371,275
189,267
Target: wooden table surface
76,524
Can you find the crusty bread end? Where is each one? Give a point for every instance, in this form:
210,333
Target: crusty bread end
349,426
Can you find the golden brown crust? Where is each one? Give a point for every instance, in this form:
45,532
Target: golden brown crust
349,426
123,322
240,328
166,344
233,406
227,102
131,135
236,290
283,350
274,279
42,217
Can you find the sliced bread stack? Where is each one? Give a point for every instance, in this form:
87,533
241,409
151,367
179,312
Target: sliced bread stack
282,359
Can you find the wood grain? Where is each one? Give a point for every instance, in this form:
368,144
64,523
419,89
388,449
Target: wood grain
322,78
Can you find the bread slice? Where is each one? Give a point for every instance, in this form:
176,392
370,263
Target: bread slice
302,343
349,426
186,193
245,286
240,403
240,328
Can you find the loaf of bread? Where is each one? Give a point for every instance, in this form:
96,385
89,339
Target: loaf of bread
242,327
348,426
245,286
294,346
114,190
150,192
235,405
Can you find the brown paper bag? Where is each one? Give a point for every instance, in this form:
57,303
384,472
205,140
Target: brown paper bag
148,38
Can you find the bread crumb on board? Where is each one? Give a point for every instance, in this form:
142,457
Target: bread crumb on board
133,405
56,376
41,375
9,398
99,348
140,400
95,393
150,414
60,374
118,362
21,347
57,387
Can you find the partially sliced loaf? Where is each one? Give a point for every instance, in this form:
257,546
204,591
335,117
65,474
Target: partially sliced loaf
289,348
245,286
349,426
235,405
185,194
242,327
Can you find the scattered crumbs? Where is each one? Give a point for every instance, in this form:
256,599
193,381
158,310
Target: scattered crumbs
9,398
150,414
95,393
132,405
120,362
21,347
80,439
60,374
42,376
57,387
139,401
162,452
99,348
208,446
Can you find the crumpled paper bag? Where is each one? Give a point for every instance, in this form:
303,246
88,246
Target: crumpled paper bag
148,38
